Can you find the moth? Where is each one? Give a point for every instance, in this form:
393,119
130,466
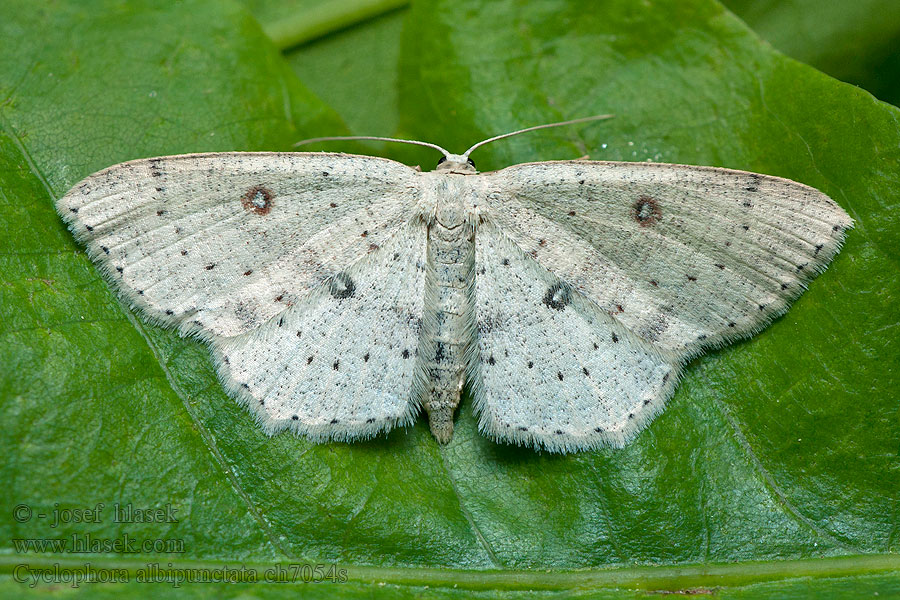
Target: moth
340,294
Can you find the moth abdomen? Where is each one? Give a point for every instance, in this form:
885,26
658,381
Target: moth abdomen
448,314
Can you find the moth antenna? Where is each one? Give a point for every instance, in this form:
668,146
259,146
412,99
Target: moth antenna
533,128
372,138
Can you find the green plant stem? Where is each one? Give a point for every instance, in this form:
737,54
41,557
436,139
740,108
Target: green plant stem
308,25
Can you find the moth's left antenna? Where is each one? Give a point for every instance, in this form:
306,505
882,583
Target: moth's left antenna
372,138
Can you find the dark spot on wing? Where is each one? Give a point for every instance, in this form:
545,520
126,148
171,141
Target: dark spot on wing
119,269
405,353
753,184
558,296
341,286
818,247
258,200
646,211
491,360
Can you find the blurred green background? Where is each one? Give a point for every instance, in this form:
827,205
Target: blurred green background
855,41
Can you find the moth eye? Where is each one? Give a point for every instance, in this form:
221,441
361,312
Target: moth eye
442,160
471,162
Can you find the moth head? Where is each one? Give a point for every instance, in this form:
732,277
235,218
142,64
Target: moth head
456,163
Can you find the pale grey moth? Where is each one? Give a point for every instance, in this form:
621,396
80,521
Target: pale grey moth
340,294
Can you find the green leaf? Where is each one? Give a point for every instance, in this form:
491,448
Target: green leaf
778,458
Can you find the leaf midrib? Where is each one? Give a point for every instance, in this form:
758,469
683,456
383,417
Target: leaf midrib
649,578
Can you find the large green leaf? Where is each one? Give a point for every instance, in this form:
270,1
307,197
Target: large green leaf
784,448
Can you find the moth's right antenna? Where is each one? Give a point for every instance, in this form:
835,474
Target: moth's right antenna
372,138
535,127
446,154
